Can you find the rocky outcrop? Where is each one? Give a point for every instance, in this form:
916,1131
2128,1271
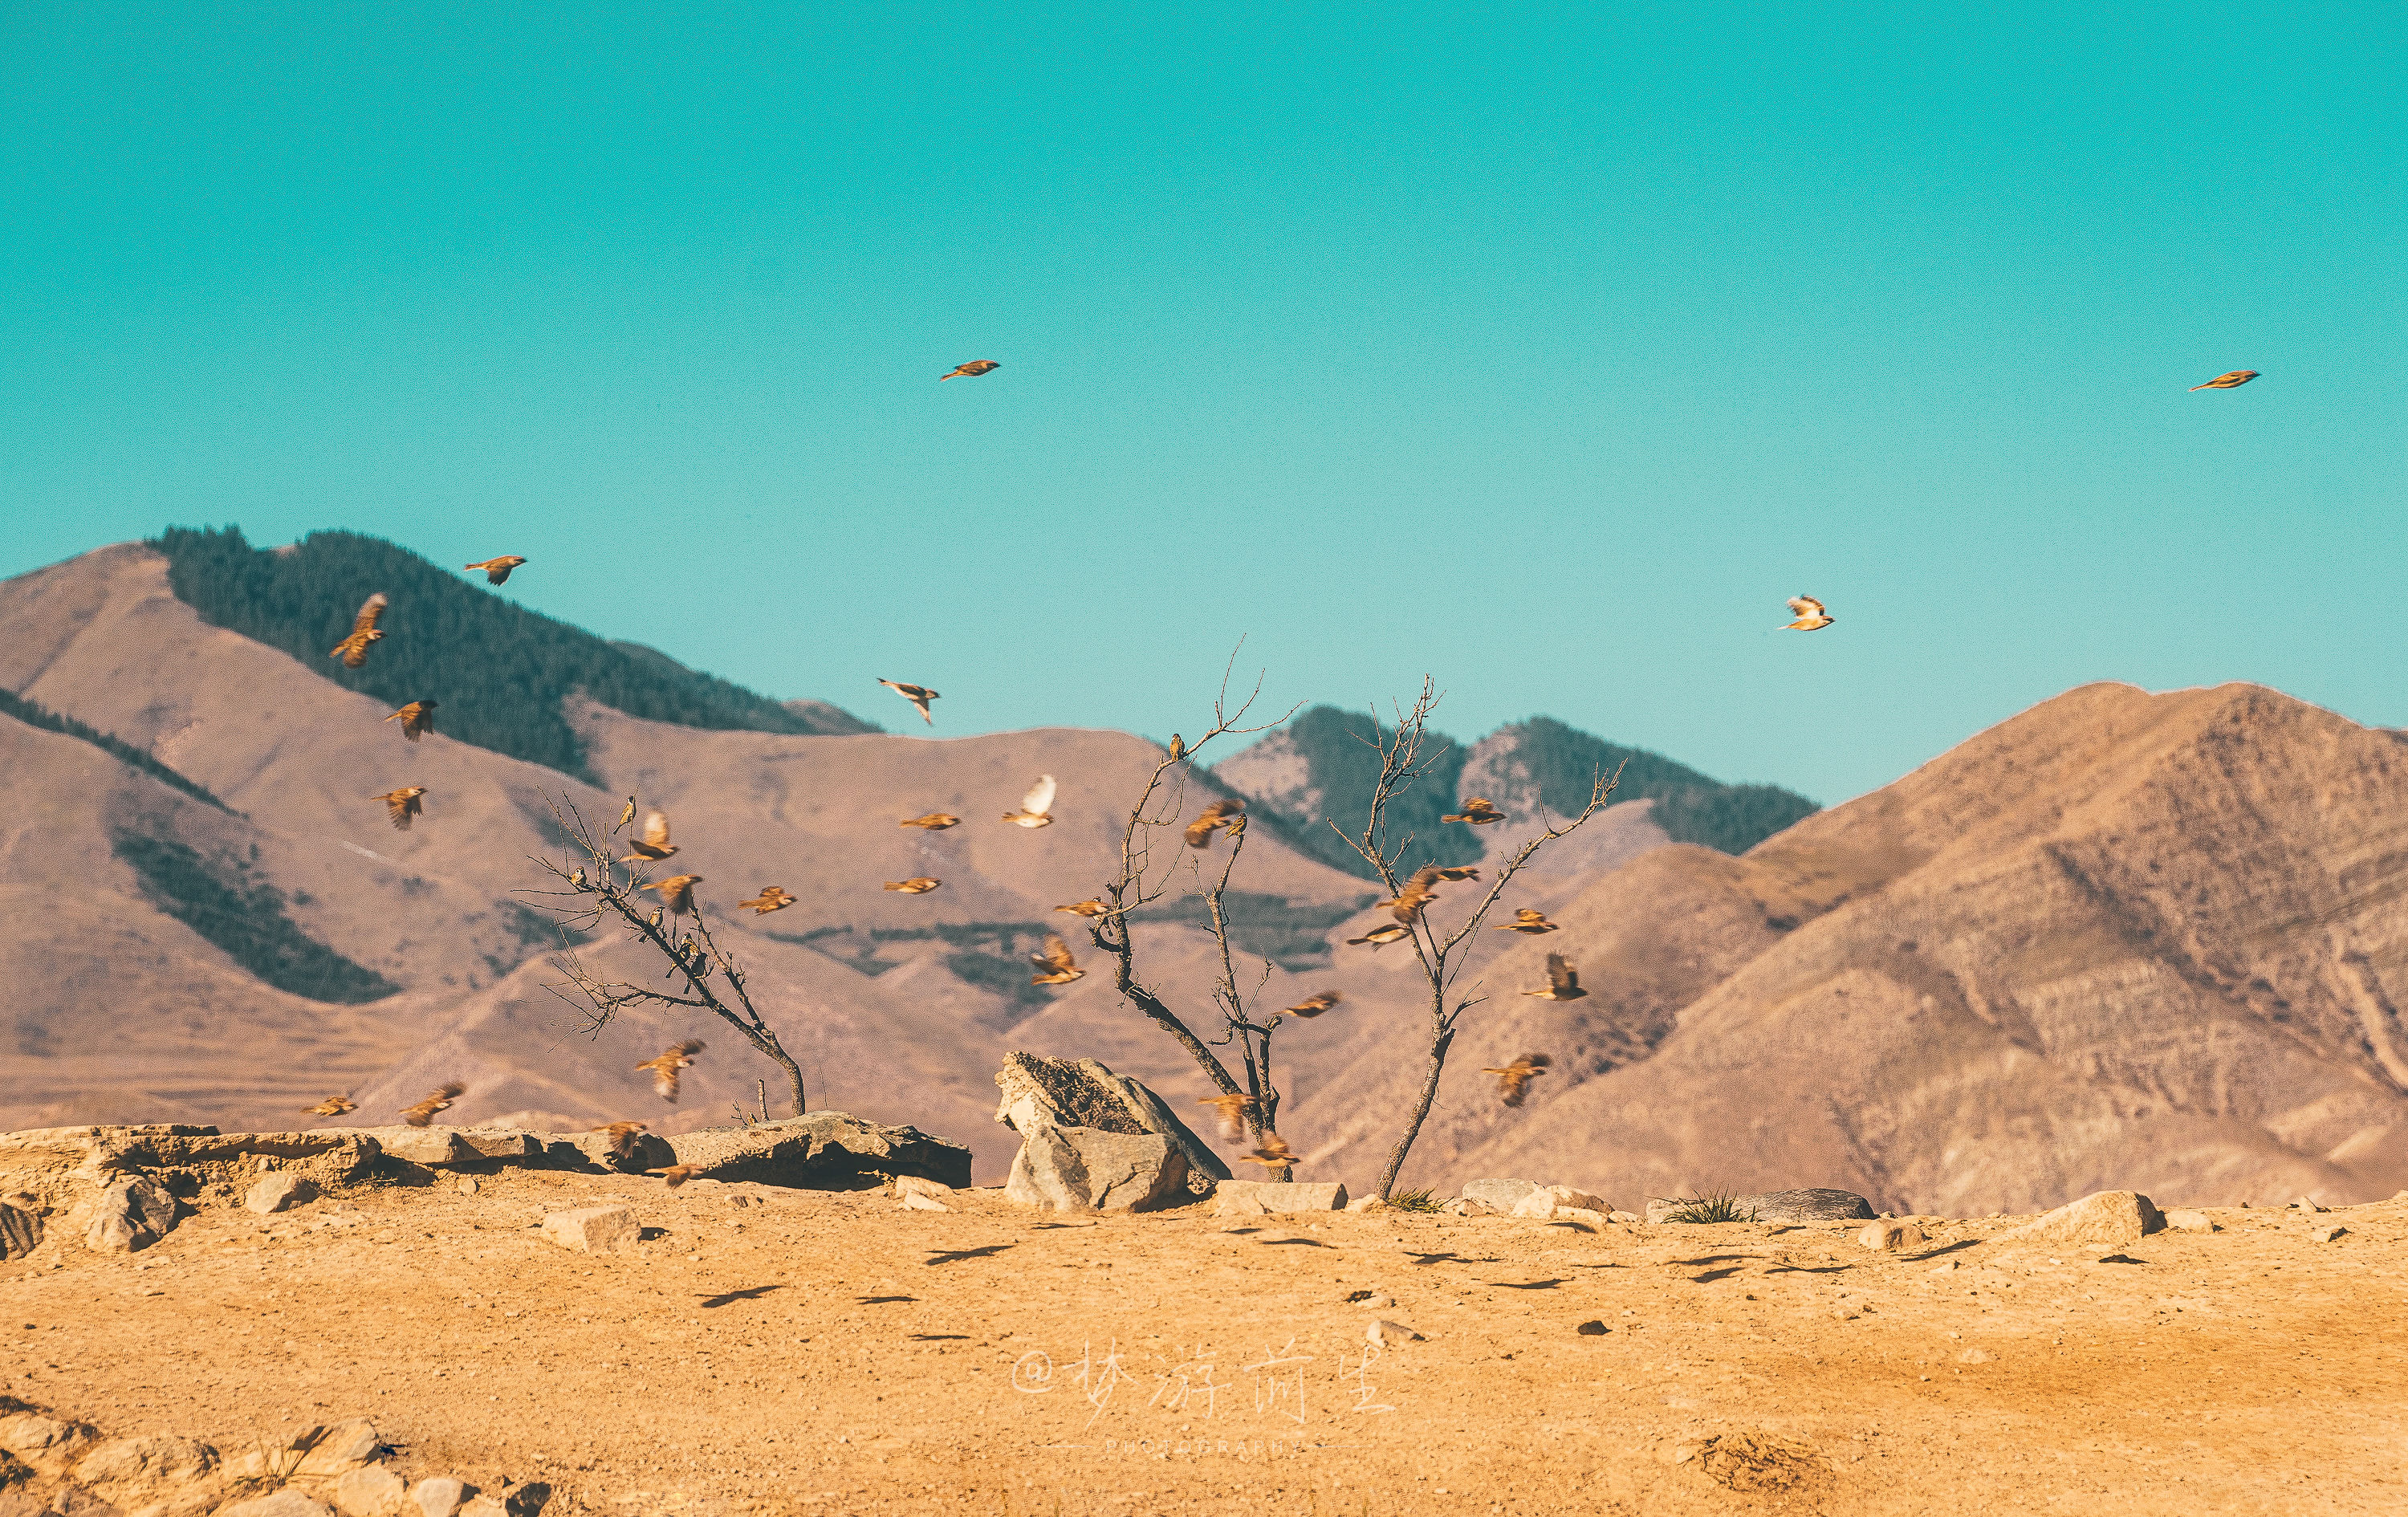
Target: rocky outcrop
2109,1218
1082,1092
820,1151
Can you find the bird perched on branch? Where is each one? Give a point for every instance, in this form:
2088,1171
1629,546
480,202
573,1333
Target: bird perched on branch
1380,936
1037,806
919,695
424,1112
933,821
1055,965
916,885
417,719
402,807
1809,614
1412,895
665,1068
1272,1153
1478,811
1513,1080
772,898
1090,908
972,369
654,845
1454,874
353,649
1232,1108
2233,381
1221,813
1177,748
1312,1005
626,1138
1563,980
1526,919
334,1105
497,569
677,892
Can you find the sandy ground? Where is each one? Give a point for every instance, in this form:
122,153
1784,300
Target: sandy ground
778,1352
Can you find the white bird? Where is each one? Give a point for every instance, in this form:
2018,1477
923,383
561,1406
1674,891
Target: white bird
1809,614
1037,806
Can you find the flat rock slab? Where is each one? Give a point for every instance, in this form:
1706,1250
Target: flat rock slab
1088,1169
372,1491
434,1145
2108,1218
1812,1205
593,1229
591,1151
1244,1198
822,1150
280,1192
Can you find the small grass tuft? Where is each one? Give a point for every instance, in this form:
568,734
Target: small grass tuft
1718,1206
1421,1200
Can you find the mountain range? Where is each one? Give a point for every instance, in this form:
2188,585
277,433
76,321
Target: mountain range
2122,938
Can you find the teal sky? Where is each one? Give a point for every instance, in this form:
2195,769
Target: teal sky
1545,350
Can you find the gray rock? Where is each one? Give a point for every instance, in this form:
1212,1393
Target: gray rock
822,1150
281,1191
2185,1220
285,1503
131,1214
1088,1169
440,1496
1388,1335
1812,1205
370,1490
1501,1195
1082,1092
1252,1196
610,1229
345,1446
21,1232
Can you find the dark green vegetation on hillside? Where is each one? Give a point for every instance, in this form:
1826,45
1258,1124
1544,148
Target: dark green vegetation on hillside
1689,807
35,714
246,918
1343,766
499,670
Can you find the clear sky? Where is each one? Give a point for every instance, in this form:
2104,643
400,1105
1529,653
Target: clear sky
1545,350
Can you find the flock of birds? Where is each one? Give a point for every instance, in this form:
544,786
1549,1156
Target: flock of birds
1054,964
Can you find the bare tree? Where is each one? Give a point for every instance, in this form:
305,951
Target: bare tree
1406,757
1162,804
597,890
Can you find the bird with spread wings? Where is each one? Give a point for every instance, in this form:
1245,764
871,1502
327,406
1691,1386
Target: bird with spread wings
497,569
919,695
353,649
665,1068
1037,806
1054,965
1563,980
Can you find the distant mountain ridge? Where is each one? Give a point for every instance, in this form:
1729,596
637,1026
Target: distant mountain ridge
1320,767
499,670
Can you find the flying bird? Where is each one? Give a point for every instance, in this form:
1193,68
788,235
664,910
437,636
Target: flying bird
402,806
1232,1108
678,1174
497,569
1478,811
417,719
654,845
353,649
1312,1005
1456,873
1383,935
1090,908
772,898
1274,1152
1412,895
916,885
626,1138
424,1112
1054,965
332,1105
1221,813
677,892
665,1069
1513,1080
1037,806
1809,614
1526,919
933,821
919,695
2233,381
1563,980
972,369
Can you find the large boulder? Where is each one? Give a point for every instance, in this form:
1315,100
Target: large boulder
128,1215
824,1150
2109,1218
1088,1169
1082,1092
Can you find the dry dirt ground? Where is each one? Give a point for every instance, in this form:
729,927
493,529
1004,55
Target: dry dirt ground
784,1352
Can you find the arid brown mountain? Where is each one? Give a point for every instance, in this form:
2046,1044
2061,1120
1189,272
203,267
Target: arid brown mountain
2122,938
